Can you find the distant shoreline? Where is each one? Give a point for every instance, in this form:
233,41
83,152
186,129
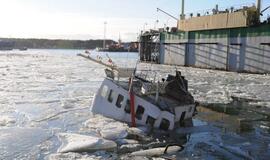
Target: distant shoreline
33,43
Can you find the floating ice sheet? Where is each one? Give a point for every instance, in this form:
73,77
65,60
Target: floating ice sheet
108,128
83,143
157,151
7,120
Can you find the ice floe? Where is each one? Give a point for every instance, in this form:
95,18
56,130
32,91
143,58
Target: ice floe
157,151
101,155
126,141
84,143
113,133
7,120
108,128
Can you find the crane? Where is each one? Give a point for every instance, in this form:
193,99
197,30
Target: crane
158,9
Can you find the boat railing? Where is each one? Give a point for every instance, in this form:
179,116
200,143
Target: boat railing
147,75
112,70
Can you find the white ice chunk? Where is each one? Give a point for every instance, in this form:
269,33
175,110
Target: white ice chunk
7,120
126,141
78,156
83,143
156,151
108,128
140,131
114,133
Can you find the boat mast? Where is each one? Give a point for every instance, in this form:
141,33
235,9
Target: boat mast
104,41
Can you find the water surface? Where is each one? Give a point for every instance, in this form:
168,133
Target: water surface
46,92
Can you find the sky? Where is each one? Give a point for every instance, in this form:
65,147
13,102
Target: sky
84,19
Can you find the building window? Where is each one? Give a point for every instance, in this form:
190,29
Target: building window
139,112
150,121
165,124
119,101
111,96
104,91
127,107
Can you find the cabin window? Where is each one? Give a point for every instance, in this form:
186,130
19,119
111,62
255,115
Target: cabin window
127,107
119,101
111,96
104,91
165,124
150,121
139,112
183,115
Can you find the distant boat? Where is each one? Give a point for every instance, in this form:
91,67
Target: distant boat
102,49
23,49
115,48
120,47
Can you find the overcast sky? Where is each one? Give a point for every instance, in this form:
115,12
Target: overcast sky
84,19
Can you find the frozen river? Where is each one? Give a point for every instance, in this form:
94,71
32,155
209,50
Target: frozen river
47,92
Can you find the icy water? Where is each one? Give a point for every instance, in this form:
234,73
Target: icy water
48,92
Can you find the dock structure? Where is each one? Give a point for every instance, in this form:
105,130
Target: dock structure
149,46
240,45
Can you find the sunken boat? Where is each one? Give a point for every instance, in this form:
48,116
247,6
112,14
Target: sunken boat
130,96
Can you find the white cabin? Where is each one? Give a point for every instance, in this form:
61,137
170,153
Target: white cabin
112,100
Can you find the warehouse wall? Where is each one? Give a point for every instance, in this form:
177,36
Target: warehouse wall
208,49
241,18
248,50
224,20
175,54
257,55
241,50
174,48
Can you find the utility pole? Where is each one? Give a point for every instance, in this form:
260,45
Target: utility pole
258,6
182,16
104,41
156,24
144,26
